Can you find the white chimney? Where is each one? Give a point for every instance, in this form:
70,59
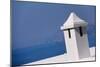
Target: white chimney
75,35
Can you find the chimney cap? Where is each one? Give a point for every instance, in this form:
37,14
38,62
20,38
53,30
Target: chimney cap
73,21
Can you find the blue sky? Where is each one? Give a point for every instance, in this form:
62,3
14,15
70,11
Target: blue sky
38,22
34,24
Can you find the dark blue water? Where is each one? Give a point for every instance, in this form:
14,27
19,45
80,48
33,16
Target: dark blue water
36,30
36,53
42,51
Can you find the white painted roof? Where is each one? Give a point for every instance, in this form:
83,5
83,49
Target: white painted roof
64,58
73,21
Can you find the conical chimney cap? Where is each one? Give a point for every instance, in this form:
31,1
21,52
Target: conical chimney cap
73,21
